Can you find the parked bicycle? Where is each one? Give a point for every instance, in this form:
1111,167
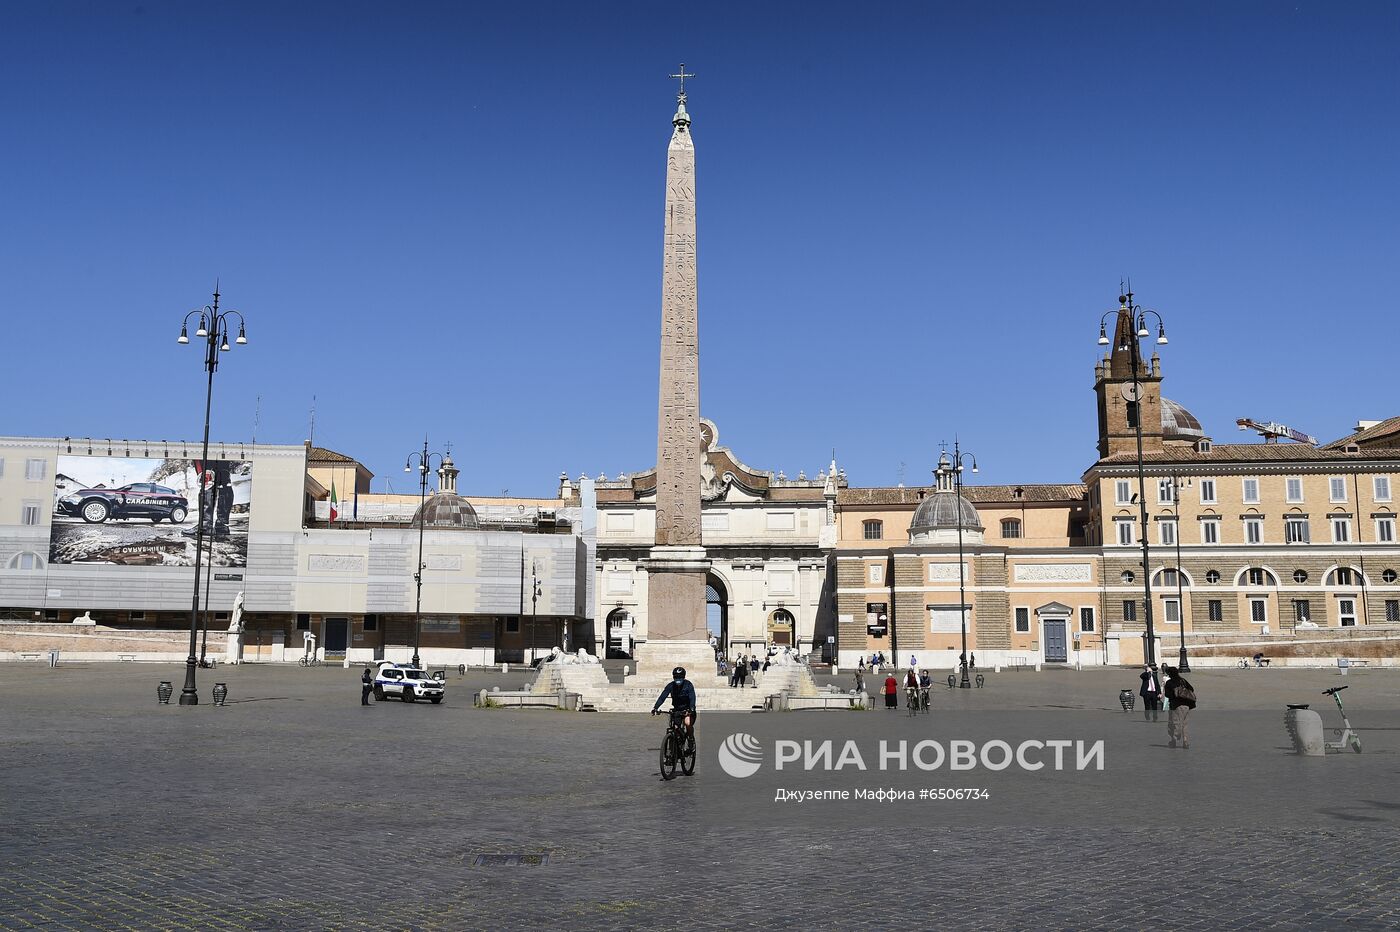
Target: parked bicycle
1258,661
677,747
310,660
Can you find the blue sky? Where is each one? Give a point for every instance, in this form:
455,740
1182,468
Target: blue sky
446,218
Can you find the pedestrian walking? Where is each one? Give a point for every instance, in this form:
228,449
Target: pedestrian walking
861,666
1151,692
860,680
891,692
366,684
1183,698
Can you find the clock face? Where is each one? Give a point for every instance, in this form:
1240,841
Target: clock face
1131,391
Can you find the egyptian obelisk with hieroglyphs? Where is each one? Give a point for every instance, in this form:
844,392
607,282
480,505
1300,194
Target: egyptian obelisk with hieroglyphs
677,566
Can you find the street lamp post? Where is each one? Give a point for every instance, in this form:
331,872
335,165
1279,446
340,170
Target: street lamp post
1137,316
424,464
958,456
214,327
1182,663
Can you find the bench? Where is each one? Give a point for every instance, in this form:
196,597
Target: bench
1345,662
30,655
853,700
126,658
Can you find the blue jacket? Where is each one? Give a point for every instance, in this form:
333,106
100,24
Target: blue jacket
682,696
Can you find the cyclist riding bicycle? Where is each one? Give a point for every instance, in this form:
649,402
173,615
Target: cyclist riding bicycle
682,693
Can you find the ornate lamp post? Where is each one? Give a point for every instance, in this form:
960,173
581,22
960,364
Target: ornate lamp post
214,326
424,464
1138,314
958,457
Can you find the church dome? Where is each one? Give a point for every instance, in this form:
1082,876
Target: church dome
1178,423
941,510
446,510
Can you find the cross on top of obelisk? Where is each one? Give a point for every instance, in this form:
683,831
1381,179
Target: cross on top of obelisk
682,76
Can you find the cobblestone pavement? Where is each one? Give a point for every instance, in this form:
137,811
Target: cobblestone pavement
295,808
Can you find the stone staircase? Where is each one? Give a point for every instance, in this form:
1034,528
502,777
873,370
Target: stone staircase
638,692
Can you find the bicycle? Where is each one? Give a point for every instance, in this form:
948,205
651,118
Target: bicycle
911,701
678,746
923,699
1258,662
309,660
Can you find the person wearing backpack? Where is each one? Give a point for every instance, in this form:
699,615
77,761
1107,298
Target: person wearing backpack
1183,699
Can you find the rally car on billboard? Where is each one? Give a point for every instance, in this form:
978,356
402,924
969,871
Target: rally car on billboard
137,500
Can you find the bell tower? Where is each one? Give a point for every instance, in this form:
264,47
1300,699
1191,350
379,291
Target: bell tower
1125,396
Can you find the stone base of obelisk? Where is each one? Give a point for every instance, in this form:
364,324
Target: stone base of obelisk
676,632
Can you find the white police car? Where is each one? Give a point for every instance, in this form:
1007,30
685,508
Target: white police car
407,682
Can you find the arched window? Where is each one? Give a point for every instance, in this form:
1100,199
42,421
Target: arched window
874,530
1167,578
1258,577
26,560
1011,528
780,627
1345,576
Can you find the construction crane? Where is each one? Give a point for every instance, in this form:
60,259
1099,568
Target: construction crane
1274,430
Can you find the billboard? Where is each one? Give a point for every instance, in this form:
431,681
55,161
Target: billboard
129,511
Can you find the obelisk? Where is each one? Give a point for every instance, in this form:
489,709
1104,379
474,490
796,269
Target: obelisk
676,567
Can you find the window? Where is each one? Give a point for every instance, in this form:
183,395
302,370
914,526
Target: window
1127,577
1165,492
1253,530
1210,531
1011,528
34,469
1338,487
1258,577
136,616
1300,576
1341,576
371,623
1392,609
877,573
1346,612
1381,489
1168,578
1129,610
1251,491
1166,532
1132,413
303,621
1203,445
1295,530
512,626
30,513
1385,530
1388,576
26,560
1212,576
1295,489
1259,611
1302,610
1207,491
1023,620
1341,530
874,530
1171,610
1215,609
1086,618
1123,492
1125,531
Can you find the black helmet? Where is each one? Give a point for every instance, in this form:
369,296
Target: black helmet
678,673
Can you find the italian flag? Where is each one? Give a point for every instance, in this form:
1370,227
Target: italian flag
335,512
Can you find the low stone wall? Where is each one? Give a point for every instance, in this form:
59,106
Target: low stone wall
20,642
1377,644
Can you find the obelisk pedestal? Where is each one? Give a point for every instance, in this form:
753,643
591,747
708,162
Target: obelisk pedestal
676,568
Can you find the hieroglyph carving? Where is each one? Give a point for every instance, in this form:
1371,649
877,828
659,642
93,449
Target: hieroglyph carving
678,420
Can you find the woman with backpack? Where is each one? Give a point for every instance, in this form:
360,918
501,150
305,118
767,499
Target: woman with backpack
1183,700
